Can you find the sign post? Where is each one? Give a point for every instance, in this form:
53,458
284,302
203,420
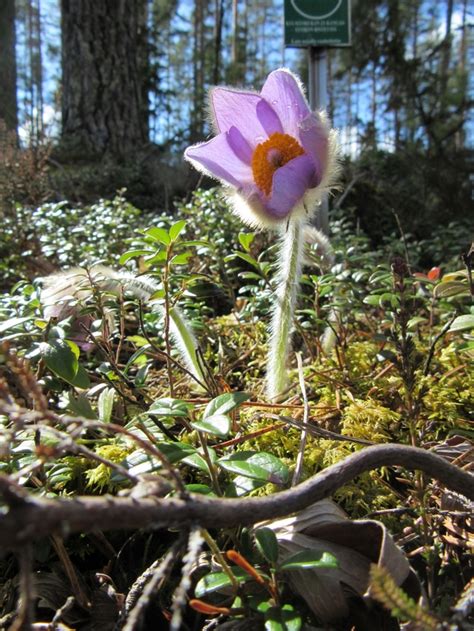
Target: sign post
317,25
318,100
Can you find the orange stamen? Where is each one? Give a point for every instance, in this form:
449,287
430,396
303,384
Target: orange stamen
270,156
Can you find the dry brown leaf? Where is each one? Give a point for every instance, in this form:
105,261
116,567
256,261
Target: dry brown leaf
324,527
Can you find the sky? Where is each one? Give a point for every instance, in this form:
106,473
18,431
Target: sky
50,18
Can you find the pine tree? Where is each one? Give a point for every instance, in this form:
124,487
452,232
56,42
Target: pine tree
8,98
104,82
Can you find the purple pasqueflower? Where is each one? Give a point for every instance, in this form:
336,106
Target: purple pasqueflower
277,156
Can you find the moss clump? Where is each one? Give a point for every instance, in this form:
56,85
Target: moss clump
99,477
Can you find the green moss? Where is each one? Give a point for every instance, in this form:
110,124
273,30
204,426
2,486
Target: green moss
368,420
99,477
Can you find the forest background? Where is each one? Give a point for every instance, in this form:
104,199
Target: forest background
123,85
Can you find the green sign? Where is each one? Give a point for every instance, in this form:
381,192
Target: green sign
317,23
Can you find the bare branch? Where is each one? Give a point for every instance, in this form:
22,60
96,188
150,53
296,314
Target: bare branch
30,521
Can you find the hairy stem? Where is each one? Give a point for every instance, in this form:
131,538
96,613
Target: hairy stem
291,255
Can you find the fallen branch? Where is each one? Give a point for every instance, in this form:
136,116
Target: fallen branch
30,519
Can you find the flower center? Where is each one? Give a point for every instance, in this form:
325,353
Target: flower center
270,156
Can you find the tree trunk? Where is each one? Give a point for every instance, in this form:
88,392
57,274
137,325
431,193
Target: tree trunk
235,32
199,54
8,101
218,24
446,59
104,86
35,75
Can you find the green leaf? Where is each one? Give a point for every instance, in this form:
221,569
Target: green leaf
267,544
138,340
250,276
195,243
247,258
380,276
74,347
81,380
225,403
245,239
13,322
197,460
282,619
59,358
390,298
257,465
159,294
241,485
138,357
463,323
142,374
175,451
414,322
105,404
62,361
201,489
372,299
216,581
169,407
80,406
309,559
131,254
159,234
156,257
176,229
181,259
217,424
446,289
139,462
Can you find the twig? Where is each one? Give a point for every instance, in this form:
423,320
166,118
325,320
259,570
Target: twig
319,431
31,416
24,619
304,431
79,594
70,600
32,521
162,353
195,542
431,351
13,493
144,587
346,192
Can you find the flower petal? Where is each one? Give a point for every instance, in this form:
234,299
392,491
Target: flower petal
284,93
239,145
290,183
314,138
247,111
268,118
217,159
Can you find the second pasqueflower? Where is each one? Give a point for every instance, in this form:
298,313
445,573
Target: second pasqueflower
277,157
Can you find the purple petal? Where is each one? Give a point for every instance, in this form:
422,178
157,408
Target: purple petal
217,158
268,118
247,111
290,183
239,145
314,138
284,94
